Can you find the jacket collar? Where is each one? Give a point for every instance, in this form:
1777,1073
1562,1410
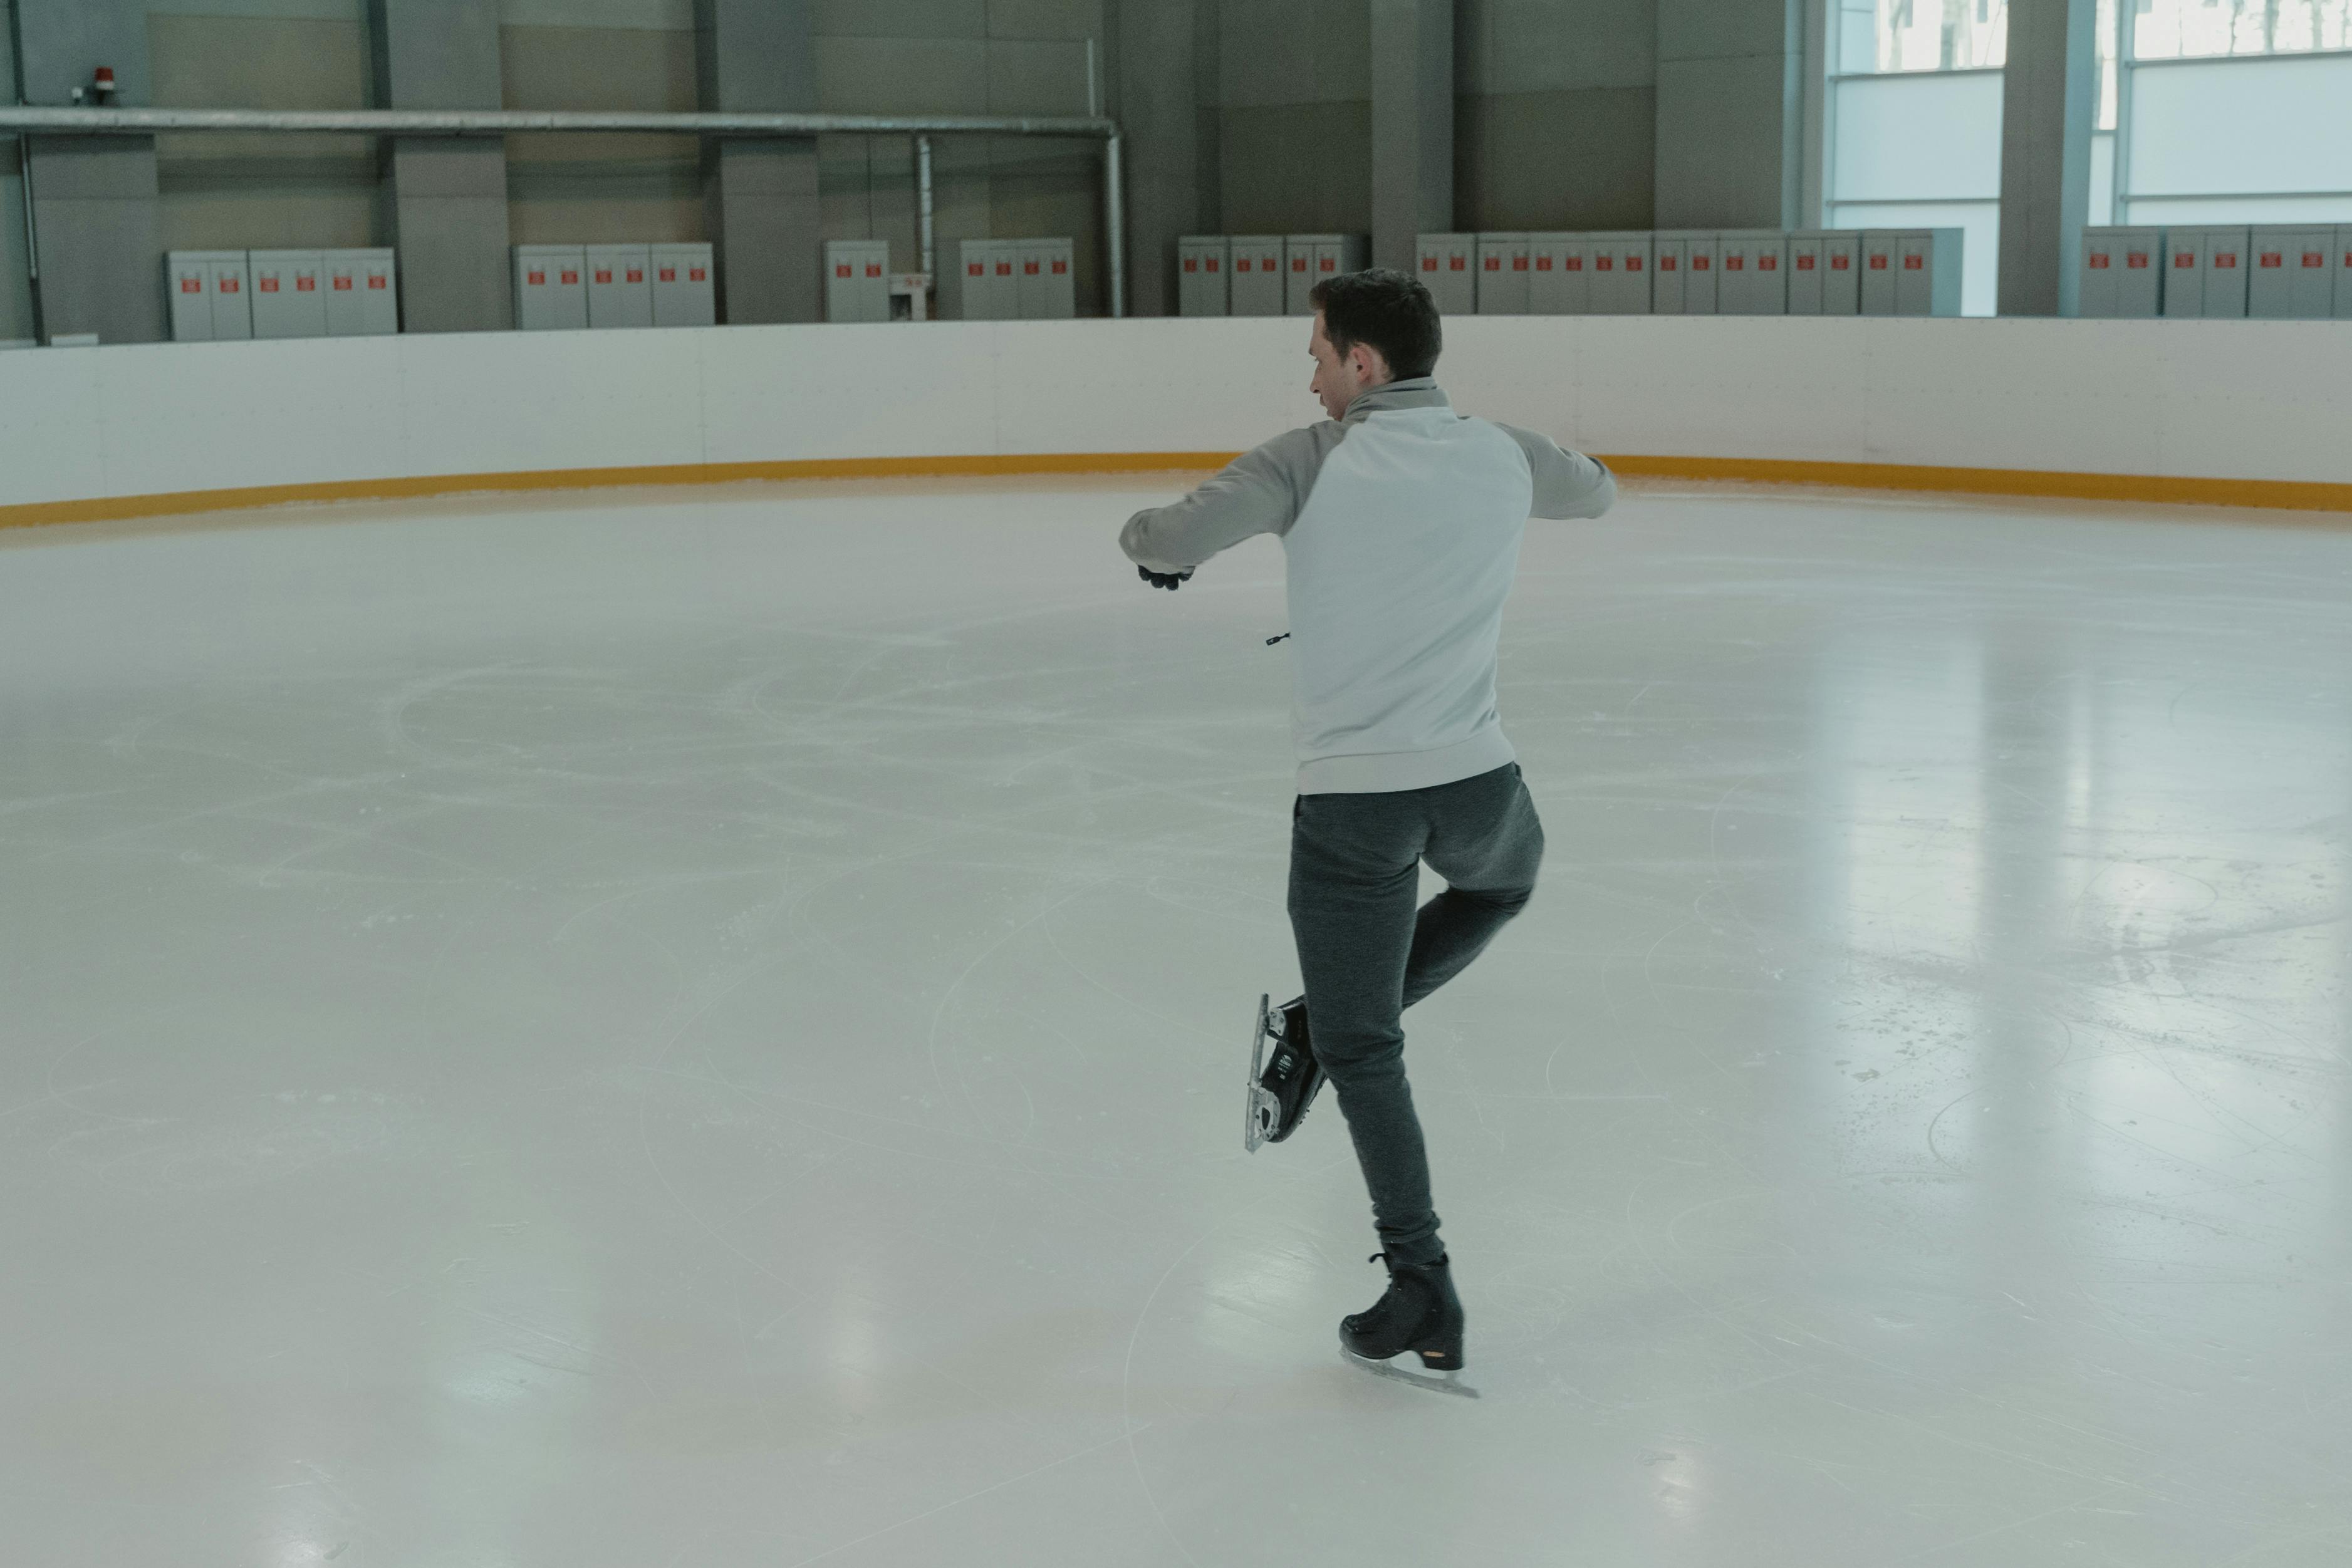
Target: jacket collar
1421,391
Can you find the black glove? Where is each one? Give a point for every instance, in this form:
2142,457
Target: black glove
1172,582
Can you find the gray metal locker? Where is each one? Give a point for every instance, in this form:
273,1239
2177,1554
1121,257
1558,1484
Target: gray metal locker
1929,281
1048,288
2184,272
1751,273
1825,273
1448,266
1501,274
1308,259
2293,274
1685,265
620,286
286,300
2343,270
2225,273
857,280
2123,276
1557,277
1201,264
1882,264
1257,287
971,296
1619,265
550,288
210,297
363,294
686,291
1336,254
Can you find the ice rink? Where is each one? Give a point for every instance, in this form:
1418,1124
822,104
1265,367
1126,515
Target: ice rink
694,1029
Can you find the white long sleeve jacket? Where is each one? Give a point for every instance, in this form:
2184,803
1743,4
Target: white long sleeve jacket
1402,523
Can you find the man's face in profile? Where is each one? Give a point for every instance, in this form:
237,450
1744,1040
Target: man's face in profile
1341,378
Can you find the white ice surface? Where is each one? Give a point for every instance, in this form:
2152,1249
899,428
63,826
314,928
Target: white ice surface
701,1030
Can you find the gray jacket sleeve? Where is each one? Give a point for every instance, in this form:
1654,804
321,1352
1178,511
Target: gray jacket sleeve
1259,492
1568,484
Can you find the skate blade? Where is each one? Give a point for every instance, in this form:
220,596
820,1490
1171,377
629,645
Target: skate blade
1435,1382
1260,1111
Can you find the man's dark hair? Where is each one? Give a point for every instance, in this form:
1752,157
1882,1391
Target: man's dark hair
1384,310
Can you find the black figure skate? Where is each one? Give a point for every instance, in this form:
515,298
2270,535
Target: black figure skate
1421,1315
1280,1089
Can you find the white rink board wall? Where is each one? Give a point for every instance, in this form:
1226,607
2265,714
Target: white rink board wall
2252,400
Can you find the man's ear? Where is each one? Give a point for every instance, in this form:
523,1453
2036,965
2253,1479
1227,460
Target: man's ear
1366,362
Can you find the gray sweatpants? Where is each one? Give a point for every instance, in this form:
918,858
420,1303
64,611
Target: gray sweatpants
1354,874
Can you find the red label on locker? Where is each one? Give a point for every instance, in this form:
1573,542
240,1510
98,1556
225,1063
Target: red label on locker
229,286
2098,261
569,277
1213,264
534,278
1297,264
2314,259
192,286
1666,264
2135,258
1572,263
1004,269
1840,263
1768,264
841,269
1730,263
1243,264
2274,258
1030,268
1493,263
1805,264
696,274
977,270
1603,263
873,269
1632,264
1700,263
1878,263
342,286
1191,264
1060,268
1429,264
2225,258
1329,264
1543,264
604,274
269,286
1519,264
1915,264
669,274
637,274
1459,262
377,280
2186,258
305,286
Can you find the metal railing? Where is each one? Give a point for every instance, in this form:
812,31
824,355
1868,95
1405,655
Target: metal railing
30,121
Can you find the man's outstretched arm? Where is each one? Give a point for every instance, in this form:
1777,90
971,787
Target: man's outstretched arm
1259,492
1568,484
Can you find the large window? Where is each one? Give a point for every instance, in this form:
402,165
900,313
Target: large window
1914,124
2223,111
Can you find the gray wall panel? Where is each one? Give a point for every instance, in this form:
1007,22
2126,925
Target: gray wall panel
902,75
1271,186
1575,160
1556,46
902,18
1724,30
1155,93
1729,125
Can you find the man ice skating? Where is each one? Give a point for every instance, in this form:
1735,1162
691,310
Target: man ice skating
1402,521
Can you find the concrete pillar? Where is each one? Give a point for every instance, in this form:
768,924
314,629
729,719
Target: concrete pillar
94,197
2048,102
1413,126
1155,81
1730,113
446,198
759,56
